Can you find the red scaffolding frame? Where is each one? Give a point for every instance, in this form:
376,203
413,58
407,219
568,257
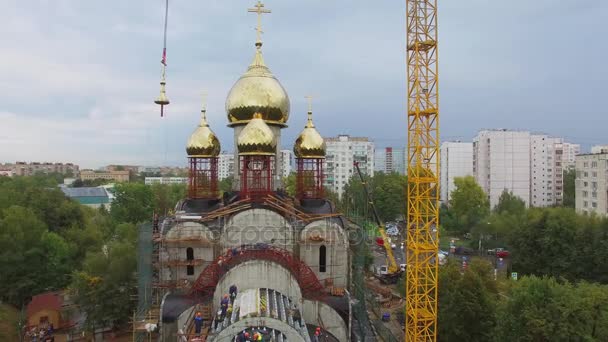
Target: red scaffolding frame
202,177
309,178
257,172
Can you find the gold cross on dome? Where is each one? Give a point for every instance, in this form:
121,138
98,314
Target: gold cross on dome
309,99
259,9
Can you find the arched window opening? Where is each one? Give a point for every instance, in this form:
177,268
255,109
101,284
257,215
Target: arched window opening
322,259
190,257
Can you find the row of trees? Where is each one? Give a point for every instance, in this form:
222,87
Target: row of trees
50,242
475,307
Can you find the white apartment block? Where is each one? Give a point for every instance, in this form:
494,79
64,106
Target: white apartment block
389,160
342,152
546,170
165,180
287,157
456,161
591,185
569,156
501,160
225,165
599,149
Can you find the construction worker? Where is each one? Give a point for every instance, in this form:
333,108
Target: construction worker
317,336
198,323
224,305
233,291
229,310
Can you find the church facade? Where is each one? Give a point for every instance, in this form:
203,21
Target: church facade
287,256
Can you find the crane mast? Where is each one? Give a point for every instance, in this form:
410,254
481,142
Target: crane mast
423,171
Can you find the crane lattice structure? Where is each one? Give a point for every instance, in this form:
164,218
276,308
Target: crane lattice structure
423,171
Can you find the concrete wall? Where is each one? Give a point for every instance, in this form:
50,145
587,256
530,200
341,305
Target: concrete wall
255,274
258,226
334,239
321,314
191,234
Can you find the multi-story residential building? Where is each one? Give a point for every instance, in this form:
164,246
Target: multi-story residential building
225,165
389,160
591,185
599,149
118,176
286,163
30,169
456,161
501,160
569,156
546,170
5,172
342,152
165,180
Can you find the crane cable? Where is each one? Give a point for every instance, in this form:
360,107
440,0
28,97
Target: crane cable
164,59
162,99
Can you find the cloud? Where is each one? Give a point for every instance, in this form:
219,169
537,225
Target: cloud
78,78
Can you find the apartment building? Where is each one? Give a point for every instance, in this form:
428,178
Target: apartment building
501,160
225,165
118,176
591,185
342,152
456,161
287,157
389,160
546,171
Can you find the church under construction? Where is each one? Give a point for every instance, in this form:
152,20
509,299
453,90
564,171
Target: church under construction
288,257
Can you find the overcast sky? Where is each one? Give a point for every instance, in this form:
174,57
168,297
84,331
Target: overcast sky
78,78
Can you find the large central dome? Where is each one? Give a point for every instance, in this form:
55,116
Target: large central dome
257,91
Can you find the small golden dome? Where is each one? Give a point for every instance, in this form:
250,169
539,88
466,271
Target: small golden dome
257,91
309,144
256,138
203,143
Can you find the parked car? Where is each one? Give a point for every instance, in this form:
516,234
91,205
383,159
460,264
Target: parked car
502,253
464,251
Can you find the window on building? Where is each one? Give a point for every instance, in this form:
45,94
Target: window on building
322,258
586,164
594,194
593,164
585,194
594,185
585,204
594,204
594,174
189,257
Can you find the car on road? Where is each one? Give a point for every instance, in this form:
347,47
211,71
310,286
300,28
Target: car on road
503,253
464,251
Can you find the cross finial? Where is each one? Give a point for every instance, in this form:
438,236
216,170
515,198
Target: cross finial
259,9
309,99
204,106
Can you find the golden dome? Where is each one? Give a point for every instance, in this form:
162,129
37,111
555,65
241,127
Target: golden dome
203,143
256,138
257,91
309,144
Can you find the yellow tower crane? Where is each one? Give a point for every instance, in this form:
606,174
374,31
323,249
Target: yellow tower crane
422,242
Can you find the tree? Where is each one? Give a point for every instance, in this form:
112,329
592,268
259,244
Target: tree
167,195
543,309
226,184
510,204
32,259
133,203
390,195
289,183
466,305
569,179
103,289
468,204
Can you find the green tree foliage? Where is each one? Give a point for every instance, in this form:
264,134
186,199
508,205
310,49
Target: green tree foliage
508,203
466,303
103,289
32,259
226,184
167,195
388,191
133,203
541,309
468,205
78,183
569,179
289,183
